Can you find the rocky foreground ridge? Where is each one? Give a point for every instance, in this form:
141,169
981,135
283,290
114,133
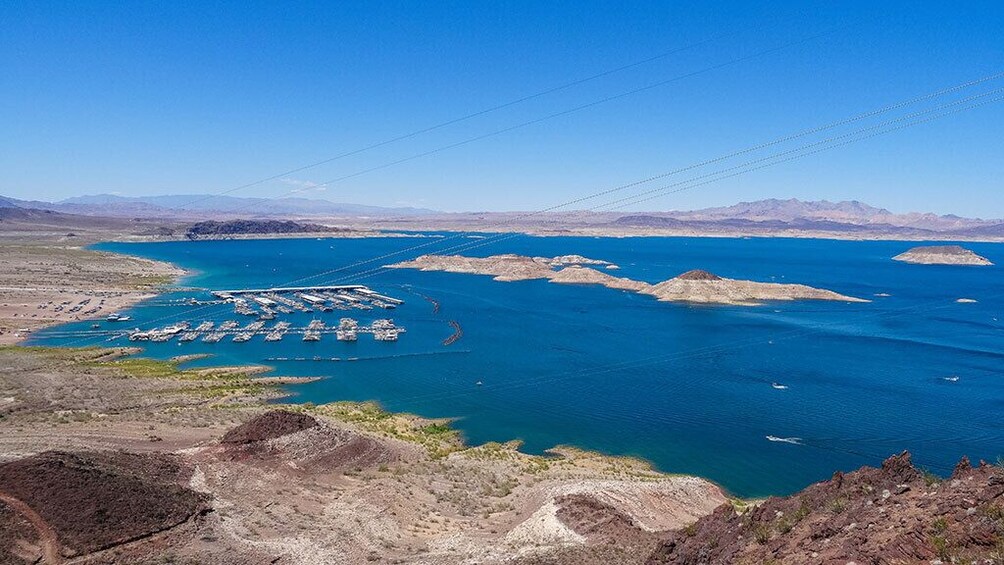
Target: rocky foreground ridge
693,286
895,514
942,255
290,487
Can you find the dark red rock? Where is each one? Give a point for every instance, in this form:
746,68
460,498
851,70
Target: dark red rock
699,275
886,515
269,425
89,501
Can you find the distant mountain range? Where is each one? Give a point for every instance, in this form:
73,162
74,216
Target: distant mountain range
766,217
822,215
199,206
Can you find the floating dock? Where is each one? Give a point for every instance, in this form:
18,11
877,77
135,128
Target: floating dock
347,329
265,302
226,294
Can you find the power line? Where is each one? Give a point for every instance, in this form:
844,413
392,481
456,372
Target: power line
457,120
747,167
652,178
502,237
575,109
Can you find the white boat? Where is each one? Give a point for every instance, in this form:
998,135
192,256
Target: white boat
779,386
388,334
952,379
792,440
117,318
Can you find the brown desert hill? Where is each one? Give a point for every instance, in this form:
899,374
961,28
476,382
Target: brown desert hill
245,227
611,535
269,425
895,514
299,441
698,275
18,534
599,521
84,502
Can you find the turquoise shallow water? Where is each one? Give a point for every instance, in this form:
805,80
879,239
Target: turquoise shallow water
686,387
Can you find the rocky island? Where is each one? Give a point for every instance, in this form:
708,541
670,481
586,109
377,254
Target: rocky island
704,287
693,286
942,255
505,268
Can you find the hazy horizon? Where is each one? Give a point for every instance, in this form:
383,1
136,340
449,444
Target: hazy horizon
201,198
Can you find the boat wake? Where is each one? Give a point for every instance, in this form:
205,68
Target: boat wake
791,440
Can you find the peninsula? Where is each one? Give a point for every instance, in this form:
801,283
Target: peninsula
942,255
693,286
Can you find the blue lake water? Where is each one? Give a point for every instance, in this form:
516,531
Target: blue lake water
685,387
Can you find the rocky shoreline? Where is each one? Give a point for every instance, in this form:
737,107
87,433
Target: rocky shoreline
202,471
304,484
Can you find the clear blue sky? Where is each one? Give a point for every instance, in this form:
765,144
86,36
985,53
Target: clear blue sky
146,98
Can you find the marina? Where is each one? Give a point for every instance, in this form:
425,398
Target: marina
348,329
266,303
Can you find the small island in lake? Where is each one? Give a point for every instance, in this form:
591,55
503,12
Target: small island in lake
704,287
942,255
505,268
693,286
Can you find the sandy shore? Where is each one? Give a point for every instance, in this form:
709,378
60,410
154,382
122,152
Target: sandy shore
48,283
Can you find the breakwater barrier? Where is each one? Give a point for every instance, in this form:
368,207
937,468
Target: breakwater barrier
458,333
353,359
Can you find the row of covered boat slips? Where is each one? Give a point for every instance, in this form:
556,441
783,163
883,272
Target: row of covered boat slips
266,303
